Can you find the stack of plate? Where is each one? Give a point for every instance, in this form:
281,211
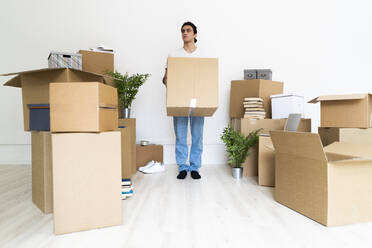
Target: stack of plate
254,108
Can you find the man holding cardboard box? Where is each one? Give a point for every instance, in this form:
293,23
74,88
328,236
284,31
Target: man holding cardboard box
189,34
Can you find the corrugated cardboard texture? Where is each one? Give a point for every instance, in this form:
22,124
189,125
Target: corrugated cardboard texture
82,107
333,193
266,162
86,181
42,181
130,123
126,152
252,88
35,85
145,154
192,78
351,111
97,62
349,135
250,125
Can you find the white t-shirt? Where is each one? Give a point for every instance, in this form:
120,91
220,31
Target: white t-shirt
181,53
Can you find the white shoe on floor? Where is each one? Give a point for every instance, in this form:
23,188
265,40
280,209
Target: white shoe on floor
148,165
157,167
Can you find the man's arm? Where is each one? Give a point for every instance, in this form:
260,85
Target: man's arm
165,77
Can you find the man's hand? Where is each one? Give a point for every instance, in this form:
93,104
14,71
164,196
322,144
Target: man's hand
165,78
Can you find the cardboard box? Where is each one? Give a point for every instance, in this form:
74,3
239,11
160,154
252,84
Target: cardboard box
345,110
145,154
126,152
331,186
130,123
249,125
192,86
328,135
42,180
284,104
35,85
252,88
97,62
83,107
86,181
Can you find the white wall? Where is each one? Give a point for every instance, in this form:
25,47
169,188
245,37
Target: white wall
316,47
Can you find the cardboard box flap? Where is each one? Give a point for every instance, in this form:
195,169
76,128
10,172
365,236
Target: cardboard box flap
307,145
354,161
16,81
338,97
353,150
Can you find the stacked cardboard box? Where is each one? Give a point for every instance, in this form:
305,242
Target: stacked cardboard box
260,161
86,156
76,160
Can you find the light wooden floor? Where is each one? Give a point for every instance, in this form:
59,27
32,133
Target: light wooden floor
216,211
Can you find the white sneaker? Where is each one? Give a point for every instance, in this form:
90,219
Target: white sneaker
148,165
157,167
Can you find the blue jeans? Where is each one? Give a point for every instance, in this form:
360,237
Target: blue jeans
180,129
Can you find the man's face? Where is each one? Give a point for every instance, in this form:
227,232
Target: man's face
187,34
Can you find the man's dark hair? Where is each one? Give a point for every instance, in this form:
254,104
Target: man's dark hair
193,28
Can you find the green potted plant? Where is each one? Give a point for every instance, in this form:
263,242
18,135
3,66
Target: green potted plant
237,147
127,88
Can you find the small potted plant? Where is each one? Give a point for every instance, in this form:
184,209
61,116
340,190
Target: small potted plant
127,88
237,146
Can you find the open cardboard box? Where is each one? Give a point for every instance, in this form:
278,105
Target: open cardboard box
352,110
192,86
251,164
331,186
241,89
35,85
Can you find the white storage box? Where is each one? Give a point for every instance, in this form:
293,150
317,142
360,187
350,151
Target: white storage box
284,104
65,60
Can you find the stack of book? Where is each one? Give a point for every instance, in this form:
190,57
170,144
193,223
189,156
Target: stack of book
126,188
254,108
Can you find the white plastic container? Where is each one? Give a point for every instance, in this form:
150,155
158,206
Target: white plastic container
284,104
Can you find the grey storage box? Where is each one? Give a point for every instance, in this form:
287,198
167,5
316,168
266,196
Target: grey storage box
65,60
250,74
264,74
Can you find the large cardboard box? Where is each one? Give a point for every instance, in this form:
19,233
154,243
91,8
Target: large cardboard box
42,180
126,152
192,86
86,181
35,84
328,135
331,186
245,125
345,110
130,124
83,107
252,88
97,62
145,154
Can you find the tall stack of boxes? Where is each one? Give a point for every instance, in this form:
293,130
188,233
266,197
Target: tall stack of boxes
260,161
327,176
86,156
76,146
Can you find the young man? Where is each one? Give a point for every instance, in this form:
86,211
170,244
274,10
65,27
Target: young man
189,34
